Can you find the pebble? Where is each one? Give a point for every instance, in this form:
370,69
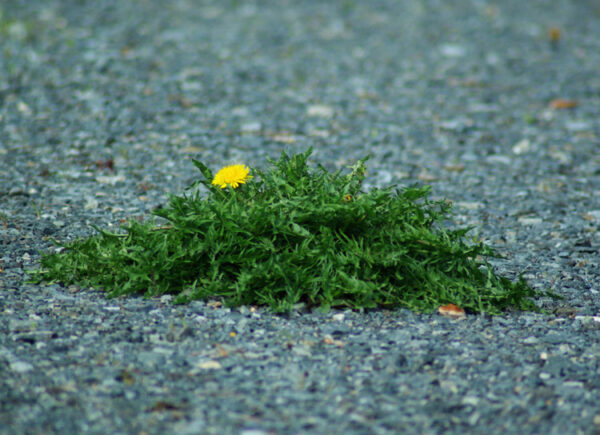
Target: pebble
15,191
253,432
150,358
251,127
577,126
320,110
111,180
112,308
521,147
504,160
470,205
529,221
594,214
21,367
453,50
91,204
470,400
209,365
457,125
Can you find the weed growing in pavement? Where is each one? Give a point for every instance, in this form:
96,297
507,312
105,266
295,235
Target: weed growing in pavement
293,234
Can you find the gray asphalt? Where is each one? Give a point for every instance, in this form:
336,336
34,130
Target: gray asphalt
103,105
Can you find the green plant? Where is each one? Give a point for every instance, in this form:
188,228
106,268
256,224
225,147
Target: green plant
4,220
289,235
37,208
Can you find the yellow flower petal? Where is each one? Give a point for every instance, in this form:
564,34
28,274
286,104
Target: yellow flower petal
233,176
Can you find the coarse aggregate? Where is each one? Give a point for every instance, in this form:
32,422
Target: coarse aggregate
103,106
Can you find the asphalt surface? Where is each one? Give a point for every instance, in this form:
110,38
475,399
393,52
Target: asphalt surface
495,104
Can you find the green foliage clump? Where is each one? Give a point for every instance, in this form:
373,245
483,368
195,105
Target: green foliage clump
295,235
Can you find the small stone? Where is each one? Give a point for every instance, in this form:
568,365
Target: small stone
401,174
587,319
456,125
483,108
253,432
498,158
459,167
301,350
15,191
338,317
16,30
474,418
470,205
426,176
469,157
453,50
530,340
15,325
492,59
251,127
209,365
110,179
240,111
318,132
149,358
384,177
592,215
192,86
284,138
470,400
320,111
522,146
192,427
91,204
530,221
20,366
560,156
112,308
23,108
577,126
191,150
449,385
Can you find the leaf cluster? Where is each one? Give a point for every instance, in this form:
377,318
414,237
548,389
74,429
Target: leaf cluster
293,235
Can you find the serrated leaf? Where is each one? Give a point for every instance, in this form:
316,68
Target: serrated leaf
204,170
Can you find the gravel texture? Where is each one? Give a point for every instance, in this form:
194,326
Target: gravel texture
103,104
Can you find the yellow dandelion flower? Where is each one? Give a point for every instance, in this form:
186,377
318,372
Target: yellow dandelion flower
233,176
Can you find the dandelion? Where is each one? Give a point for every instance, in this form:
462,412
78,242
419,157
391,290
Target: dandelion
233,176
